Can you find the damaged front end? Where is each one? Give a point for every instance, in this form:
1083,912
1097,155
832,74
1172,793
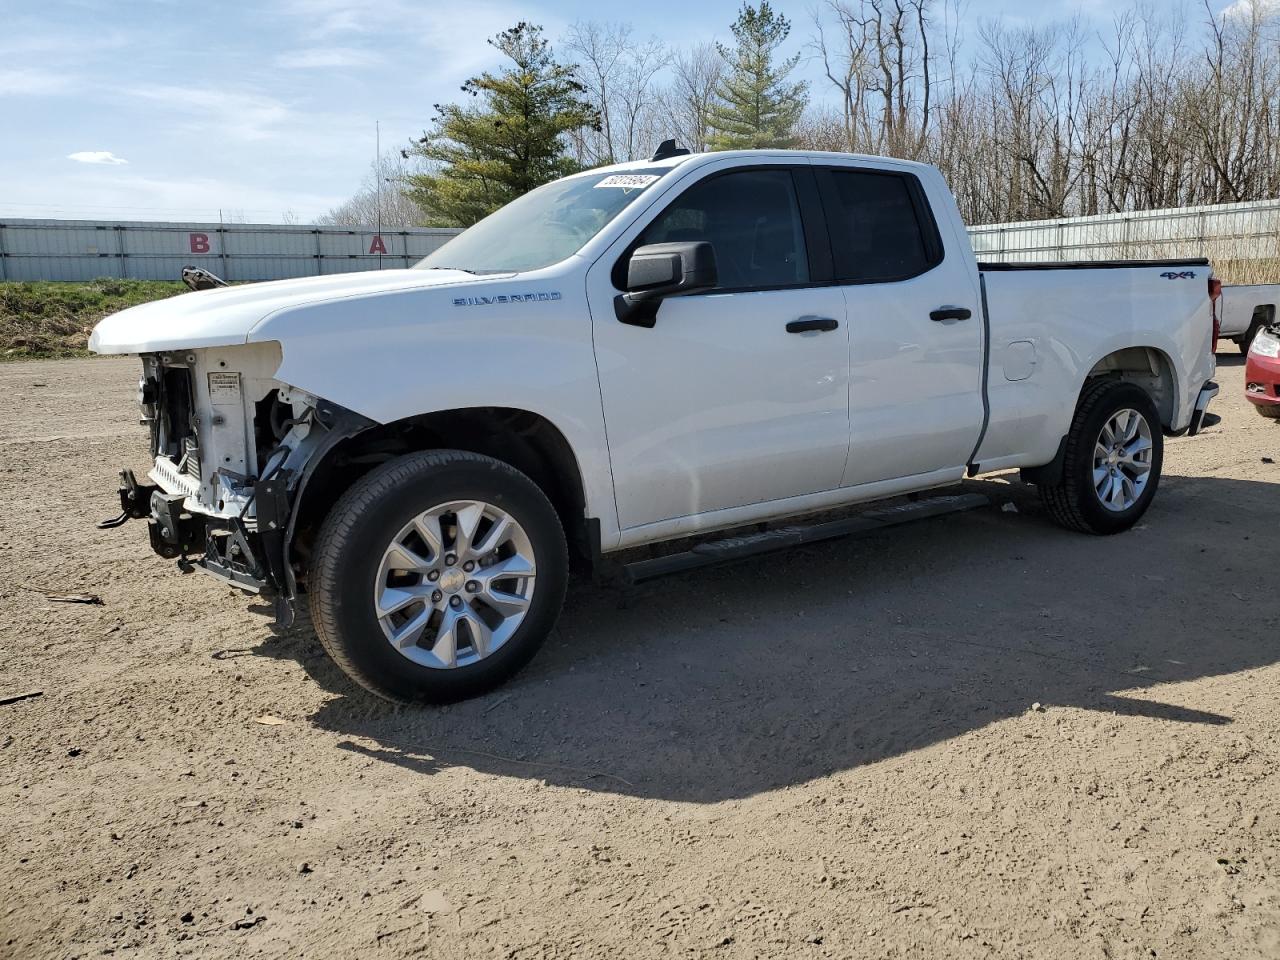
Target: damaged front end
232,448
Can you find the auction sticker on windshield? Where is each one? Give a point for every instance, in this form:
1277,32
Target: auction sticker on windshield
627,181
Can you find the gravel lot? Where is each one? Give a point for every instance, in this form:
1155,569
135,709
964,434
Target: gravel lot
826,753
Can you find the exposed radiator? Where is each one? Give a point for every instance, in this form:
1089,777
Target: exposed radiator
191,457
166,473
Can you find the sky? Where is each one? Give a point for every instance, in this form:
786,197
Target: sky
163,110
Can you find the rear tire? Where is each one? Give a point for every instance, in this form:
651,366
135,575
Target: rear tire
1114,454
437,576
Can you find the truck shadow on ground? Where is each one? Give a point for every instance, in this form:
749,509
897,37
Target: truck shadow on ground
732,681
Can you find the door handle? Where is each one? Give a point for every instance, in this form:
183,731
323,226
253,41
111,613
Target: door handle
951,313
807,324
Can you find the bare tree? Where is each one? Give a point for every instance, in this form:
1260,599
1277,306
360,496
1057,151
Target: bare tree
620,74
822,128
382,198
1233,106
877,55
695,75
1025,123
1032,125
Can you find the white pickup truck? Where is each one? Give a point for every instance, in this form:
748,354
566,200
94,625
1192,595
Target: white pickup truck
1246,309
626,356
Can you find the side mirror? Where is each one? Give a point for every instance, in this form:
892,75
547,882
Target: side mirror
661,270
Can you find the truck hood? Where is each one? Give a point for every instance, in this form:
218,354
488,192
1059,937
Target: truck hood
228,315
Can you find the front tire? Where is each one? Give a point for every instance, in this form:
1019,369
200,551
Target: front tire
1114,454
437,576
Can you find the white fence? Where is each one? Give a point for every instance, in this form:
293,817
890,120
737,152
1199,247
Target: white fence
1238,237
1243,240
85,249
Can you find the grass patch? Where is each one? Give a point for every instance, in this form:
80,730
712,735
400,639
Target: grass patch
46,319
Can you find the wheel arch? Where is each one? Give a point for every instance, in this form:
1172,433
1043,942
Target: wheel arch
527,441
1148,367
1264,315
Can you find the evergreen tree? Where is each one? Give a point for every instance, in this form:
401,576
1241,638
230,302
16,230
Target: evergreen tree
756,106
485,156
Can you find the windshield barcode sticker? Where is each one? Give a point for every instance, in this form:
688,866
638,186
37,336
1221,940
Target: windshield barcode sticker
628,181
224,389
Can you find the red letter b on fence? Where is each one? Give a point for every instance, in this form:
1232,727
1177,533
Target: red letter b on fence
199,243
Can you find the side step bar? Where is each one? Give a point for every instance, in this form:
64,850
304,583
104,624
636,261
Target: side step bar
738,548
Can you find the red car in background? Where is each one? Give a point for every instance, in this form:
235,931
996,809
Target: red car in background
1262,372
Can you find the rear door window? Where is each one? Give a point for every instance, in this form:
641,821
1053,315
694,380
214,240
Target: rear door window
880,224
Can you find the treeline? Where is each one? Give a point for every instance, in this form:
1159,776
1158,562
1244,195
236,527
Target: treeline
1030,125
1026,123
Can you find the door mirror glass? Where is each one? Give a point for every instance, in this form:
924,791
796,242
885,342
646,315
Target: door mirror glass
661,270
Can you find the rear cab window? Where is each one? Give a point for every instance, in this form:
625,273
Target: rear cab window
880,224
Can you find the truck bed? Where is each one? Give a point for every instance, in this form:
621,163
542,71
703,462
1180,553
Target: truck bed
1245,308
1048,324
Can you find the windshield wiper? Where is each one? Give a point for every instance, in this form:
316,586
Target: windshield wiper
463,269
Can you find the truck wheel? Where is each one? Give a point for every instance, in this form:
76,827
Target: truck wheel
437,576
1115,449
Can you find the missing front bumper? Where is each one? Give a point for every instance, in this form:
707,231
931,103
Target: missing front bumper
224,549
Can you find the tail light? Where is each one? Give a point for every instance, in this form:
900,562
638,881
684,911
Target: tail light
1215,294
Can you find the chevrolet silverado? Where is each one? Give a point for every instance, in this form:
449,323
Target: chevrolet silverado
627,356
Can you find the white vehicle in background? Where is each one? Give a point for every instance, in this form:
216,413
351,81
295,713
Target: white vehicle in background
1245,309
627,356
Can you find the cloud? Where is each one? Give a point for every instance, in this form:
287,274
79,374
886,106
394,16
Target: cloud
314,58
438,33
455,42
43,38
32,83
245,116
96,156
323,18
119,194
1245,10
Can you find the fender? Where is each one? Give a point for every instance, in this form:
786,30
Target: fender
339,424
421,351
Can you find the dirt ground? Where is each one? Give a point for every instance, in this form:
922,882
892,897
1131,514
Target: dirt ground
831,752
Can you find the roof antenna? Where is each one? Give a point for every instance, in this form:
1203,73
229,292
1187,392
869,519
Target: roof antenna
668,148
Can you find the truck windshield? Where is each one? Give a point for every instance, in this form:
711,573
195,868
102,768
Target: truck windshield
544,226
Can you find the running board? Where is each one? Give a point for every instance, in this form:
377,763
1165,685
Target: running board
738,548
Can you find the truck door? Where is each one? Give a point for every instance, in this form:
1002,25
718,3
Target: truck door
718,405
915,326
